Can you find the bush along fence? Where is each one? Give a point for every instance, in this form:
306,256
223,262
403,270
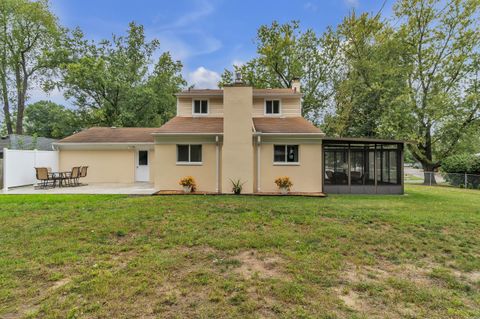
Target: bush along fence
461,170
462,180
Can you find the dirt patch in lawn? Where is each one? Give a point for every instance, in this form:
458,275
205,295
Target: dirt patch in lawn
359,286
357,282
472,277
253,264
352,300
33,305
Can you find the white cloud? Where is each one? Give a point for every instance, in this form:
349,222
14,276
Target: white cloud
203,78
185,44
203,9
352,3
186,36
310,6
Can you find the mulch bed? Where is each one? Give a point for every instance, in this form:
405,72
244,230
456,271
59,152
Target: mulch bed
179,192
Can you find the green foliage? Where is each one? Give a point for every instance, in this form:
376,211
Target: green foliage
237,186
115,83
47,119
463,163
439,48
370,76
30,42
415,80
455,167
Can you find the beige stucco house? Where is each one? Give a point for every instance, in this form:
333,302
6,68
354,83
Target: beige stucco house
236,133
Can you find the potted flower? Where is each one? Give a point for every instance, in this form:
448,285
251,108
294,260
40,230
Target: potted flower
284,183
188,183
237,186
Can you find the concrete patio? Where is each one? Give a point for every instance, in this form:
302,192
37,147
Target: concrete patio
94,188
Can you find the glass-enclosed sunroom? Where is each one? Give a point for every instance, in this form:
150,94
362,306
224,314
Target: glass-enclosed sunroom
362,166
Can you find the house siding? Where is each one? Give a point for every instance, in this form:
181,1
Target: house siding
168,173
290,107
306,177
215,106
104,166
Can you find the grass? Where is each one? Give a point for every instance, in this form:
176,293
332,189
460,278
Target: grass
75,256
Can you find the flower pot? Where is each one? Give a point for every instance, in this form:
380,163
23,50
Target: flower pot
187,189
236,192
283,190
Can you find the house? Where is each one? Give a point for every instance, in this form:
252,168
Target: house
237,133
25,142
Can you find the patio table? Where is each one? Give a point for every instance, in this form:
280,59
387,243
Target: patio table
60,177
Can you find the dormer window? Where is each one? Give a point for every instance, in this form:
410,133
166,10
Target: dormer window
272,107
200,107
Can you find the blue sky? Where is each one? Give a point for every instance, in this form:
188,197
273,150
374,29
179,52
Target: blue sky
206,35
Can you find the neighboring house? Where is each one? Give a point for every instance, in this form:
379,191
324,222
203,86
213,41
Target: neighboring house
25,142
237,133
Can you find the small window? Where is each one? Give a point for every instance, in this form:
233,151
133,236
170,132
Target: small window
200,107
189,153
272,107
182,153
285,154
142,157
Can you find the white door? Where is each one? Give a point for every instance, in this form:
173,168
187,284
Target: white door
142,166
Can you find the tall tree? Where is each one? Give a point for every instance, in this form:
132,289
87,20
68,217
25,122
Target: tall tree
369,77
115,83
286,53
48,119
30,34
441,45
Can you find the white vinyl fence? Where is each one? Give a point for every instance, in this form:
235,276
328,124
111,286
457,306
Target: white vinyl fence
19,166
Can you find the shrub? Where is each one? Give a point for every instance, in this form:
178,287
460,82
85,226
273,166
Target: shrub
284,182
237,186
455,167
188,181
463,163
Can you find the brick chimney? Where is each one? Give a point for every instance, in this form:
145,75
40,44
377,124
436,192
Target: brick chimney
296,85
237,148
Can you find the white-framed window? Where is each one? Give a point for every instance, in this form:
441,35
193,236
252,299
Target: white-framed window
200,107
272,107
189,154
285,154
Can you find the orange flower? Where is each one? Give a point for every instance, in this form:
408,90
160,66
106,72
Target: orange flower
188,181
284,182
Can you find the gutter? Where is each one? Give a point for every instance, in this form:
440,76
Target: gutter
103,143
177,134
289,134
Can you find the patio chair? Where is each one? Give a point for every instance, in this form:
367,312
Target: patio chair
72,177
329,178
83,172
44,177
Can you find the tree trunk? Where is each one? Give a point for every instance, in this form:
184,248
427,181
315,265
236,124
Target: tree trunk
427,163
22,83
428,174
21,108
6,106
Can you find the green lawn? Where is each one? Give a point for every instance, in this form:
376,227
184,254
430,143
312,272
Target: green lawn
412,256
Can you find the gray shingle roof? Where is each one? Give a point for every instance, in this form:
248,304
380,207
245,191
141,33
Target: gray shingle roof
26,142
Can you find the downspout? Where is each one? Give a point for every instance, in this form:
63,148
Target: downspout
217,168
259,140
